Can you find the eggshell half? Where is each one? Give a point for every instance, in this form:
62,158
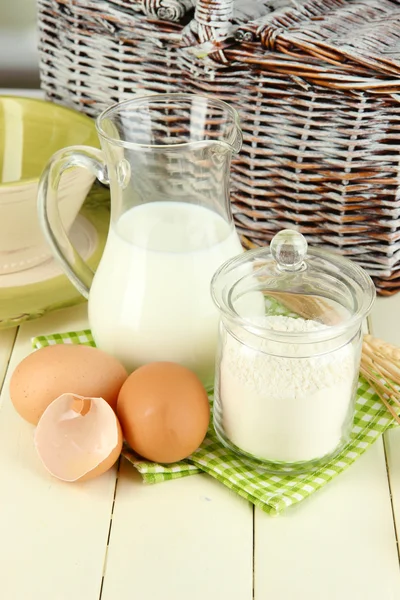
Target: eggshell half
51,371
78,438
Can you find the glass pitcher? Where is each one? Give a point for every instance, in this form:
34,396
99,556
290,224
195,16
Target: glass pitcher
167,160
289,352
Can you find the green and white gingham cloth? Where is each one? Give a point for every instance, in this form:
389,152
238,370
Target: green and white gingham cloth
271,493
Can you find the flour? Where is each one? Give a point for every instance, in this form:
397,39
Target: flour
287,408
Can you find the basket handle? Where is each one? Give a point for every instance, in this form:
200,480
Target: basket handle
211,25
214,16
167,10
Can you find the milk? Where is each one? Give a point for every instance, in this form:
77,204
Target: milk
150,299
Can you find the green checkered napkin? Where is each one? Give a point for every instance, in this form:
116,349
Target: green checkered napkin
271,493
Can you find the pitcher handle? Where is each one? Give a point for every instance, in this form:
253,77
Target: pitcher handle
79,273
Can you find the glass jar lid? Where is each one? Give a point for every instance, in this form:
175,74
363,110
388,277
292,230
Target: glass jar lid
289,278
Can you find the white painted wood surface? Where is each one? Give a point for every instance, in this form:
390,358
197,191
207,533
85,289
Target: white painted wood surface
53,536
338,545
190,538
185,539
385,323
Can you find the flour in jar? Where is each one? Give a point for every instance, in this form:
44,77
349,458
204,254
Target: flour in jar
286,408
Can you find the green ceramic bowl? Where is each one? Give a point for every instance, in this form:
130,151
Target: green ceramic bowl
31,131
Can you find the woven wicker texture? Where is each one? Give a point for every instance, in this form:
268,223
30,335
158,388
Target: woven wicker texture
316,83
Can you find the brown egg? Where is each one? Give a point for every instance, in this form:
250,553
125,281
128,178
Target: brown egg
78,438
54,370
164,411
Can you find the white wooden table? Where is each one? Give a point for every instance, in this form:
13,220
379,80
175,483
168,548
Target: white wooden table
191,539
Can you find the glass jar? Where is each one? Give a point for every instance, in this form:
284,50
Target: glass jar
289,352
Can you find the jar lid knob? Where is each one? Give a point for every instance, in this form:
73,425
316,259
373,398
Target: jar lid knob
289,249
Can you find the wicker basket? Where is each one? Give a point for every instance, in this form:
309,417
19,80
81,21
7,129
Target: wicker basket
315,83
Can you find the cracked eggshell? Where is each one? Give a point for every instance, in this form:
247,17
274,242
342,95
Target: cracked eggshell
78,438
51,371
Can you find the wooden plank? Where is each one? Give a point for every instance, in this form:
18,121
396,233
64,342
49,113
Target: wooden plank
184,539
385,323
392,447
339,543
53,535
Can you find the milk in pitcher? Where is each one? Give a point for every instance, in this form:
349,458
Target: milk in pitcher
150,299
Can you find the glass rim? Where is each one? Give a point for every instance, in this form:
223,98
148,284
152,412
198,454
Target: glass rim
117,107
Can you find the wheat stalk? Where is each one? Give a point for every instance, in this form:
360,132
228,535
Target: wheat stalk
380,366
